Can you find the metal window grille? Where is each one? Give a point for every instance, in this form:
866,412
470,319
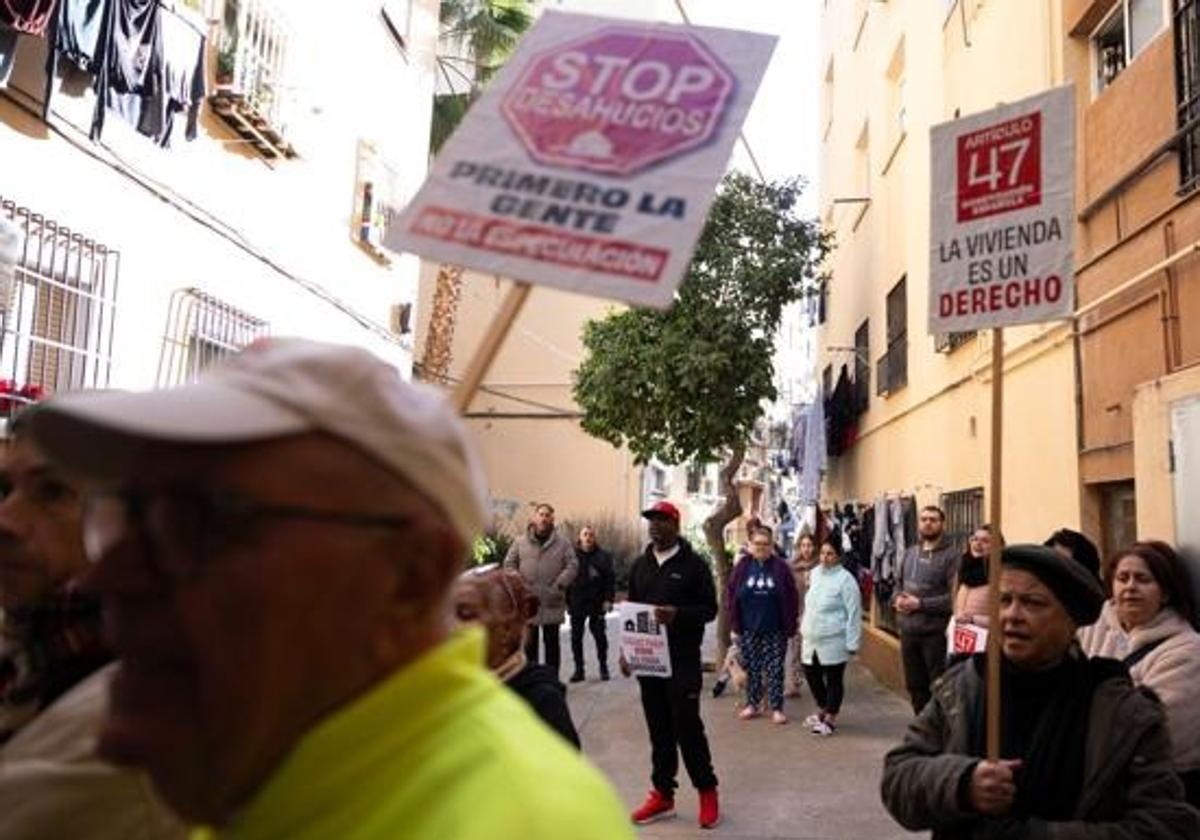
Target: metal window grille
202,330
57,313
964,513
1187,91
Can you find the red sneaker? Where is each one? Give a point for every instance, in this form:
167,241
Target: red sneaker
710,812
656,807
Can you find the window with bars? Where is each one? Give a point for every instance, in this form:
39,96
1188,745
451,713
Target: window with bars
1187,91
202,330
964,513
892,369
57,309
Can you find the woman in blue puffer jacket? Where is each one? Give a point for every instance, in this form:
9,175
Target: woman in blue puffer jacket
832,630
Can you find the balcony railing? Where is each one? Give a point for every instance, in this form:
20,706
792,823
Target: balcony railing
252,93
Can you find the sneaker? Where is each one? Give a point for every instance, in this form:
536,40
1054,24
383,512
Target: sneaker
710,811
748,713
812,720
577,677
824,729
778,717
656,807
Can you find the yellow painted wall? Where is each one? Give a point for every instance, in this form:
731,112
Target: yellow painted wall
547,457
932,436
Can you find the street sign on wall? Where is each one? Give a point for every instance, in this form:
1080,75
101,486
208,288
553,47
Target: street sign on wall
1003,208
590,162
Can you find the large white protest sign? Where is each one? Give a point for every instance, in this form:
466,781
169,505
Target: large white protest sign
591,160
644,641
1003,215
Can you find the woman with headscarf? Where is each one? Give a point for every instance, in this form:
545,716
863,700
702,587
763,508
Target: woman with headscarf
500,600
1148,622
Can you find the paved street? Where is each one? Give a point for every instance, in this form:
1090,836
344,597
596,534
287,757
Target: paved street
776,781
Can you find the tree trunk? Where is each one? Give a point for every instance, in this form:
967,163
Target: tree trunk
439,339
714,535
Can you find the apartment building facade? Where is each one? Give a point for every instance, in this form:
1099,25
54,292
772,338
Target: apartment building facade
145,253
915,407
1136,69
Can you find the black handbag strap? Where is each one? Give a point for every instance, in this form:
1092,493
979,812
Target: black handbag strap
1142,652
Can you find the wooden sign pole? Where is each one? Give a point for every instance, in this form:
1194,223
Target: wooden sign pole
995,495
485,354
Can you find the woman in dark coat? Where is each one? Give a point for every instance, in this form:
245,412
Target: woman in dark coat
500,600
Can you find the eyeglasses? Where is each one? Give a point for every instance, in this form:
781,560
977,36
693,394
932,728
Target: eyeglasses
184,527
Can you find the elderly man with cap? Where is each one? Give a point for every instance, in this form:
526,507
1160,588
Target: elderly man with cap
274,548
1085,754
678,582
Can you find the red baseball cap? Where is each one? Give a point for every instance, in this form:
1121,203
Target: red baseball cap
662,509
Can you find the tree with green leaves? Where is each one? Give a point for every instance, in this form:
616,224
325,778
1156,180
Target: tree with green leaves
689,383
476,38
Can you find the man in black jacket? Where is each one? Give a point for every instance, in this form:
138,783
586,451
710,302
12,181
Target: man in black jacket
589,600
671,576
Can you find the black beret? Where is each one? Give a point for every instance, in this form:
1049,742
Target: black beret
1071,582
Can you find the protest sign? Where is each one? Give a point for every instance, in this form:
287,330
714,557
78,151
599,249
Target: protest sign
966,638
644,641
590,162
1003,215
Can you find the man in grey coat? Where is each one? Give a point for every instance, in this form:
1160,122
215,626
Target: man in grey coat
548,564
1084,754
924,601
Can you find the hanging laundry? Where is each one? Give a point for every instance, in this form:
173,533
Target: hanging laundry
177,71
28,16
79,33
841,416
813,462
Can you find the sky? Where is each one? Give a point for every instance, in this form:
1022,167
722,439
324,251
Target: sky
782,125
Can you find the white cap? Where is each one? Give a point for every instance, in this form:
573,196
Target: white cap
275,388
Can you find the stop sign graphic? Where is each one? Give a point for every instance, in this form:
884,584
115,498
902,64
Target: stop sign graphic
618,101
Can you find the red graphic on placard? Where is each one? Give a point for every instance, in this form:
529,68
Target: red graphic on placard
543,244
618,101
1000,168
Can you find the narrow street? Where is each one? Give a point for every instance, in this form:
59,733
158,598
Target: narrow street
776,781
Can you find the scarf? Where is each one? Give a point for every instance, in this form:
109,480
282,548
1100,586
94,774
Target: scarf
47,649
1044,722
972,570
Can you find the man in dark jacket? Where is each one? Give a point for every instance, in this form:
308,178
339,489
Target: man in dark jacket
673,577
924,601
589,599
1085,754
